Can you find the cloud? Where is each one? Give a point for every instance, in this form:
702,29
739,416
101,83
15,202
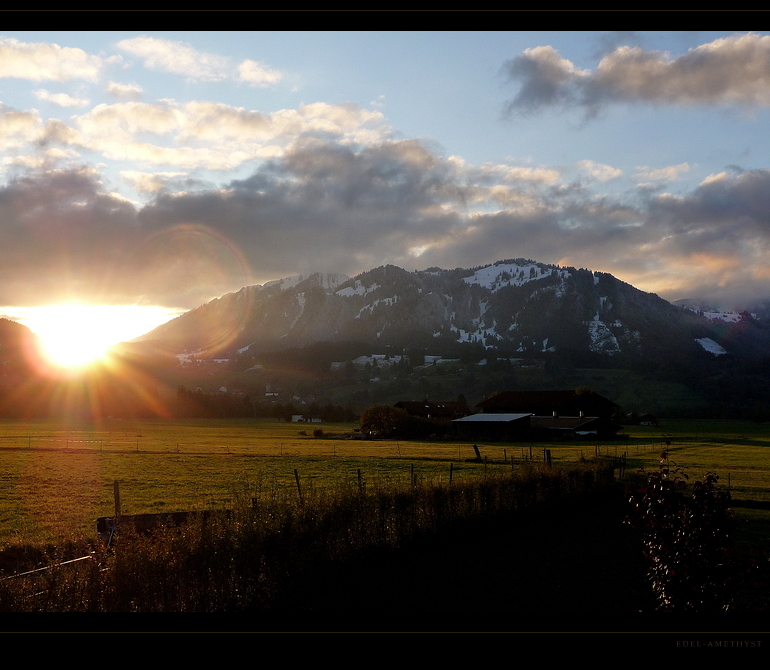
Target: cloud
258,74
670,173
547,79
61,99
728,71
19,128
124,91
600,171
214,135
155,182
327,204
46,160
42,61
182,59
176,58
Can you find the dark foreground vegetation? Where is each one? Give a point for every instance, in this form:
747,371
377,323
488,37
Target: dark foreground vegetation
544,549
275,557
688,535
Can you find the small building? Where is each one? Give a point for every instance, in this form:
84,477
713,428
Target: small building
492,427
304,418
648,420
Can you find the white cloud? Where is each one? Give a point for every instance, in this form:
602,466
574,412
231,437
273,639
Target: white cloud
214,135
599,171
176,58
19,128
124,91
149,182
258,74
42,61
61,99
183,59
670,173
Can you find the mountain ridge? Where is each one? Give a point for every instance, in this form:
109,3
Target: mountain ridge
514,306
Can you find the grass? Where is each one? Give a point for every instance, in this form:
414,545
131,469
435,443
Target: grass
57,478
277,557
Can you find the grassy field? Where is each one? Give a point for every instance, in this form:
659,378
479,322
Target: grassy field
56,478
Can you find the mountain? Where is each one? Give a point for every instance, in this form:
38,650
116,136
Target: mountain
514,307
17,342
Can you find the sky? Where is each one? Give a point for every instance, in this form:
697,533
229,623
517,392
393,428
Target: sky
164,169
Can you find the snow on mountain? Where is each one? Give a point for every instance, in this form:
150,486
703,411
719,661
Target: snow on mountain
727,317
515,305
326,280
357,289
494,277
709,345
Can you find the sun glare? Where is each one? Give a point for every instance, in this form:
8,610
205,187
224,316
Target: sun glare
75,335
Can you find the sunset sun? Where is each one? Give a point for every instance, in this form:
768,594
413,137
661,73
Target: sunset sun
73,336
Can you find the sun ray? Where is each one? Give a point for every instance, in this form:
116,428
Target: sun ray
72,336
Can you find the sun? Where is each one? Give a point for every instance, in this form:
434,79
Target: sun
74,335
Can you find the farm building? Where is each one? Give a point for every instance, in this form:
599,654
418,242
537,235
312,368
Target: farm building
549,403
492,427
305,418
550,415
428,409
522,426
570,427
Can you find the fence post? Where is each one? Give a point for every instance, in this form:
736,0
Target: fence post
116,495
450,473
299,488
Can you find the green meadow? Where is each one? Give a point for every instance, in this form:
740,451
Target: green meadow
57,478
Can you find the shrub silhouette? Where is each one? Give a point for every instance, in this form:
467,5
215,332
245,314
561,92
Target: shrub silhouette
688,541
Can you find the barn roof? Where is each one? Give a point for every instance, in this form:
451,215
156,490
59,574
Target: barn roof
490,418
543,403
433,408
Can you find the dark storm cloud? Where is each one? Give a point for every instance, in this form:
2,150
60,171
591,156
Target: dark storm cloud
743,198
732,70
337,208
59,233
324,206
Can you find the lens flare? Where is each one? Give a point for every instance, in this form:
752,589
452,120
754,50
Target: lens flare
74,335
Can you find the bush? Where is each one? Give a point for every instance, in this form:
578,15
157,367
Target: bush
688,541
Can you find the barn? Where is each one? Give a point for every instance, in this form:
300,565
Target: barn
492,427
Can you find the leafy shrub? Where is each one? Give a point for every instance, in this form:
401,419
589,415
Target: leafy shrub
688,541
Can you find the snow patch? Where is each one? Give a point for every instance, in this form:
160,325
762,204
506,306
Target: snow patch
710,345
727,317
495,277
602,339
371,306
358,289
